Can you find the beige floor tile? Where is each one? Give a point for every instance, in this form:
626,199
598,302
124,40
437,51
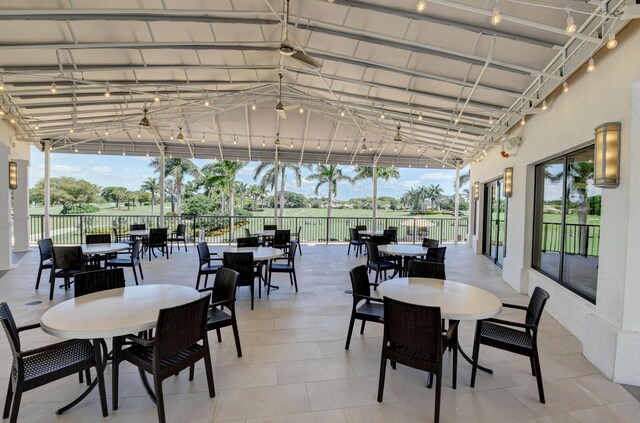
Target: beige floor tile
624,412
329,416
314,370
342,393
269,401
286,352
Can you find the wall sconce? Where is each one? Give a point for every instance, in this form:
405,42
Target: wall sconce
13,175
476,190
508,182
607,155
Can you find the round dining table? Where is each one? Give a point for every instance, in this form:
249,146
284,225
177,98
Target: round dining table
406,251
112,313
371,232
457,301
103,248
260,254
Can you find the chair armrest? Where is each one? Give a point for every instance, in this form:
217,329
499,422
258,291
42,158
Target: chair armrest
519,307
29,327
219,303
140,341
364,297
509,323
50,347
452,328
203,290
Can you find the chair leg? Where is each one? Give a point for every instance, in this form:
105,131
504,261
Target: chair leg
115,366
436,412
198,281
140,269
300,249
135,276
349,250
7,401
192,370
383,369
251,290
159,399
533,365
52,283
295,279
165,249
476,353
351,323
454,343
236,334
209,370
219,335
15,406
87,374
39,274
536,360
206,280
362,327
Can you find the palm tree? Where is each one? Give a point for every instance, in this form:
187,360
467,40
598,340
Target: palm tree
384,173
267,170
241,190
329,175
151,185
255,192
177,168
225,172
434,193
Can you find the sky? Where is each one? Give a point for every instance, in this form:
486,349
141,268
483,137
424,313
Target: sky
130,172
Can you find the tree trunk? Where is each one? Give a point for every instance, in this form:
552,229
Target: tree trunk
282,183
153,201
329,215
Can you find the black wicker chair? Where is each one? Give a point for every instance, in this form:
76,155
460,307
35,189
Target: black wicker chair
413,336
371,310
379,263
518,338
251,241
436,255
46,257
98,280
137,227
392,235
120,238
270,227
426,269
97,239
158,239
67,261
288,267
430,243
205,267
40,366
243,264
180,342
178,236
355,241
223,295
295,237
282,239
132,261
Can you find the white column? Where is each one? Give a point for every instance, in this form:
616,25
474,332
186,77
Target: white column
162,189
456,223
21,208
46,222
276,170
374,206
6,261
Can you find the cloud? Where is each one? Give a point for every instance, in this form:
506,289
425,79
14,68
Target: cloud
438,176
101,169
64,169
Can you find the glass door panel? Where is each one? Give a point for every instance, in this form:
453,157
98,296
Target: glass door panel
494,222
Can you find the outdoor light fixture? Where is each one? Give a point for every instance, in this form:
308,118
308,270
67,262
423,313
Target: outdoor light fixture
508,182
565,87
398,137
53,88
545,106
591,66
277,141
607,156
612,43
496,17
13,175
571,27
476,190
421,6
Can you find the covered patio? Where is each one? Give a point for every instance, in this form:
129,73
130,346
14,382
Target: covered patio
295,368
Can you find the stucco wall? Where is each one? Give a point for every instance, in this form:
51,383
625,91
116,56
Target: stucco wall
604,95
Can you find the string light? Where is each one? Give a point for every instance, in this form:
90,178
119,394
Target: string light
456,120
545,106
253,106
99,151
591,66
37,126
147,154
421,6
71,131
496,17
301,110
426,165
139,135
612,43
291,144
156,98
106,132
171,137
107,93
571,27
75,149
235,139
565,87
207,103
318,146
123,153
53,88
382,116
342,113
2,82
490,119
523,121
420,116
263,142
202,140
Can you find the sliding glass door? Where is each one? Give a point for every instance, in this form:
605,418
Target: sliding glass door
495,222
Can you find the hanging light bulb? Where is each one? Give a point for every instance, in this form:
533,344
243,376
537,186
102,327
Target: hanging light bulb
99,151
37,126
496,17
443,165
123,153
395,149
523,121
139,135
147,154
318,146
565,87
490,119
591,66
571,27
342,113
156,98
420,116
345,146
545,106
277,141
253,106
2,87
301,110
202,139
291,144
421,6
426,165
263,142
364,144
235,139
71,130
443,149
171,137
53,88
612,43
106,132
75,149
456,120
207,103
107,93
382,116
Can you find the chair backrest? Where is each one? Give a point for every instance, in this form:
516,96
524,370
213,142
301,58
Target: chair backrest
413,326
361,227
297,235
282,238
379,239
203,253
68,258
270,227
137,227
430,243
360,281
247,232
224,286
241,263
391,234
373,253
45,246
426,269
157,236
393,228
180,327
436,254
116,235
353,234
10,328
181,229
135,250
291,254
97,239
251,241
98,280
536,305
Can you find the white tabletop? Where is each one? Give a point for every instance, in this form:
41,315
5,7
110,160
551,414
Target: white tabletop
403,249
266,232
106,248
371,232
139,232
457,301
259,253
114,312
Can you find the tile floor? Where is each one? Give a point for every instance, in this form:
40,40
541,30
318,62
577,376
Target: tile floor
295,368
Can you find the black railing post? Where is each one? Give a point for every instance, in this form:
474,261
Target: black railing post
81,228
327,230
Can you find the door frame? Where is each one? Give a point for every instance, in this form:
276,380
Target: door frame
486,229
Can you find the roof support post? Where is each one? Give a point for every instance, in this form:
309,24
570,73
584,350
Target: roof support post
162,189
374,206
456,213
46,223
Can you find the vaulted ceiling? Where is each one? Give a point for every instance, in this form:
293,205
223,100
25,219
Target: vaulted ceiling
209,71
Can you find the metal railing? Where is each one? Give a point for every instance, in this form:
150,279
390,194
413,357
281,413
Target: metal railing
579,239
71,229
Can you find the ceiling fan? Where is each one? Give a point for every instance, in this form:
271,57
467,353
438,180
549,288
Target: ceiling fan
146,124
281,108
287,47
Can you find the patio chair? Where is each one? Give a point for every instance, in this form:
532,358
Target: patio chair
243,264
40,366
98,280
392,235
379,263
282,239
379,239
137,227
132,261
270,227
518,338
158,239
247,232
96,259
119,238
296,237
359,228
204,264
223,295
46,257
288,267
180,342
178,236
430,243
67,261
413,336
251,241
426,269
355,241
436,255
371,310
